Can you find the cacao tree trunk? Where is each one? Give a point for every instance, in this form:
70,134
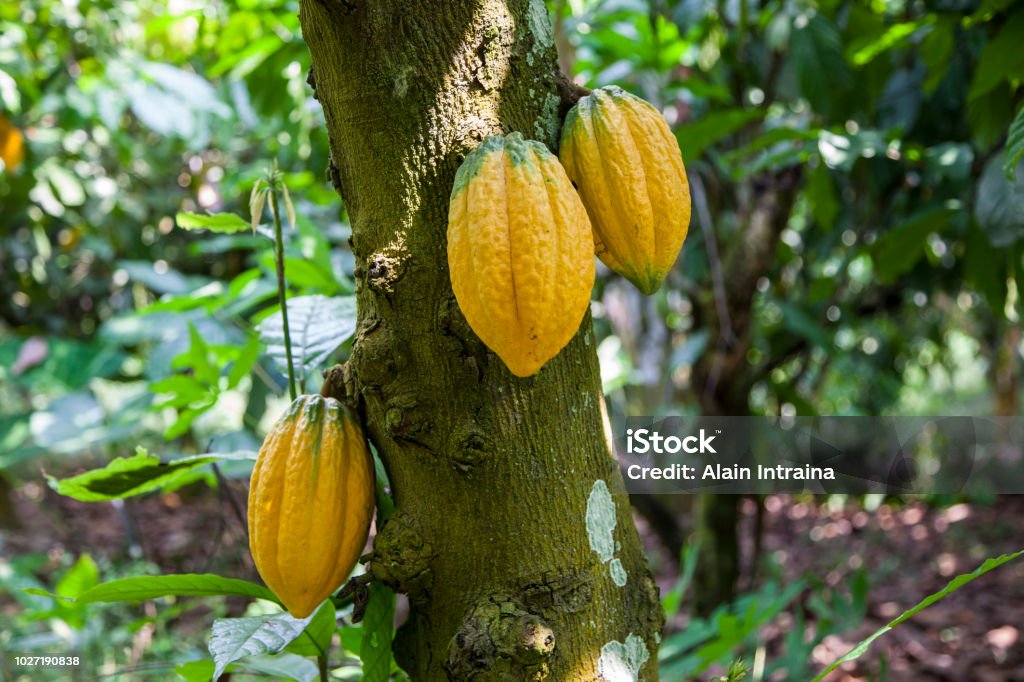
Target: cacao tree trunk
512,536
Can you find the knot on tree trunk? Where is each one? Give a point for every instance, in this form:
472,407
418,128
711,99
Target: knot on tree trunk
499,641
401,557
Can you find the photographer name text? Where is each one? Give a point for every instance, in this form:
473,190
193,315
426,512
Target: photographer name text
643,442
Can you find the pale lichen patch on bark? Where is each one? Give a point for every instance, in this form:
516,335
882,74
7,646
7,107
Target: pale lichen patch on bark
622,662
618,573
601,521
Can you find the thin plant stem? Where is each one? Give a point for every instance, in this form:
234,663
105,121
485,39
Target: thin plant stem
321,660
282,293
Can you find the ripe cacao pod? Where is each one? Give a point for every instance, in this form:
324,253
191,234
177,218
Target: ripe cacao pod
311,498
625,162
519,251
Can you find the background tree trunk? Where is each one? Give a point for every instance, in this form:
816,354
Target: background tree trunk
512,536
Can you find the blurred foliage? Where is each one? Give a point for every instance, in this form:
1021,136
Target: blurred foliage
893,281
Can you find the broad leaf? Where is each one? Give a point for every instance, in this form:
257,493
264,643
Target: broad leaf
183,585
378,628
318,326
236,638
223,223
316,638
128,477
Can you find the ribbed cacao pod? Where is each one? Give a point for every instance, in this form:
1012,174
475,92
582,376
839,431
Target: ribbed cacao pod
625,162
311,499
519,251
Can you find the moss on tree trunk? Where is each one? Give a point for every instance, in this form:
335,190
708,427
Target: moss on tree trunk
512,537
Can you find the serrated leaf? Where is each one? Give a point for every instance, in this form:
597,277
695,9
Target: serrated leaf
236,638
182,585
223,223
318,326
378,629
127,477
953,585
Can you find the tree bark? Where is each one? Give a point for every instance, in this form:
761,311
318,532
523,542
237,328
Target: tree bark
723,380
512,535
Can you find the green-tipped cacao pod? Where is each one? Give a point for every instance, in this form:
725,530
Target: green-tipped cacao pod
625,162
519,251
311,501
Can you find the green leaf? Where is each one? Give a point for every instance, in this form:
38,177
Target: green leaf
936,51
79,578
236,638
378,629
223,223
182,585
817,59
243,364
822,197
799,322
999,205
899,249
985,269
953,585
316,638
283,666
895,36
128,477
1014,145
696,137
195,671
198,358
1001,59
318,325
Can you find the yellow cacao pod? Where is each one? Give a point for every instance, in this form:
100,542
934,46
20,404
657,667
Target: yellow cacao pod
625,162
519,251
311,499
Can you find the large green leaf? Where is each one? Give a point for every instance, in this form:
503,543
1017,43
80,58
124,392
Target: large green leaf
182,585
378,629
128,477
318,325
236,638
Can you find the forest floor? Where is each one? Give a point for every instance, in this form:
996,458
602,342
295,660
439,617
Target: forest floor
907,551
